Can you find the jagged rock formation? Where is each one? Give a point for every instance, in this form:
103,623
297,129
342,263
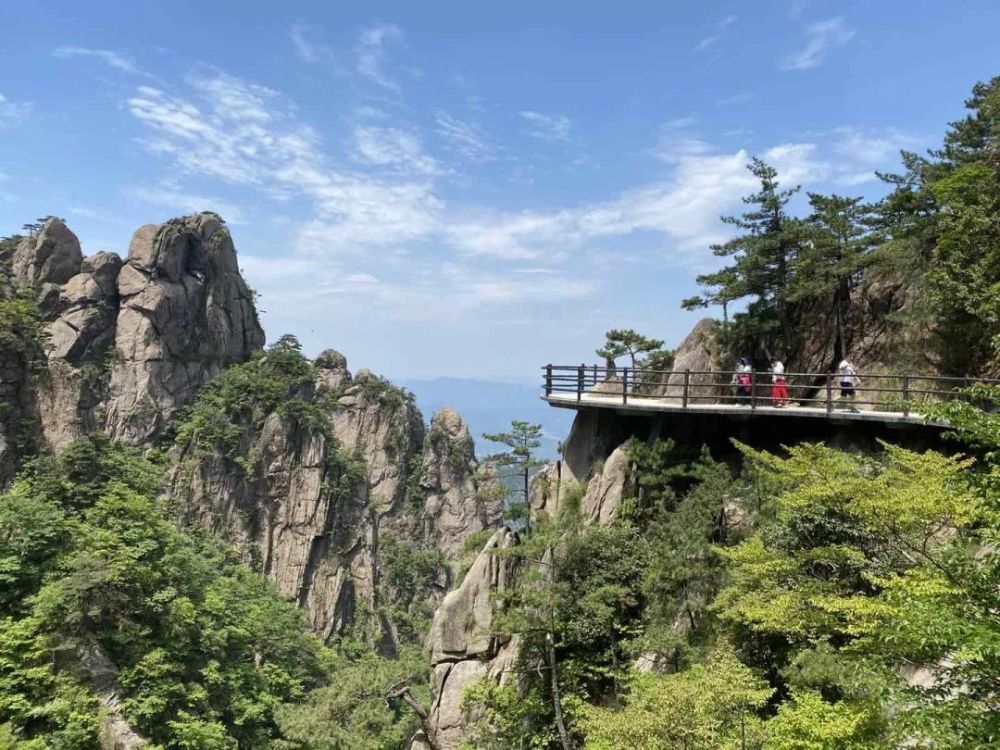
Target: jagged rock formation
128,344
463,646
316,502
185,315
52,256
461,498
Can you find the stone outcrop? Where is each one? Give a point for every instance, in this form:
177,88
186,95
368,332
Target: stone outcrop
461,497
316,505
699,352
185,315
52,256
463,645
127,344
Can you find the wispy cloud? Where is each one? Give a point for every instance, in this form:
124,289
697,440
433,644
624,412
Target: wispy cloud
707,42
741,98
371,54
463,137
174,199
11,112
547,127
116,60
821,37
728,21
393,147
308,50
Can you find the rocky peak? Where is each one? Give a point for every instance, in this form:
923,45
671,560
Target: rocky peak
461,498
51,256
332,368
186,313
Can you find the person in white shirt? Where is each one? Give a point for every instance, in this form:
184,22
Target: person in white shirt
848,379
779,388
742,381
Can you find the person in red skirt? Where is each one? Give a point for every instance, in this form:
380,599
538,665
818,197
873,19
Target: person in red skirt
779,386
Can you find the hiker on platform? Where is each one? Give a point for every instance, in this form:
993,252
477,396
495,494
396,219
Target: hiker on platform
743,381
779,386
848,380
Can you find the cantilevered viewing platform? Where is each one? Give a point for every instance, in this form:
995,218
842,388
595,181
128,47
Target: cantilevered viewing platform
889,400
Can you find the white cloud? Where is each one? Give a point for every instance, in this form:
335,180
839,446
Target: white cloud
12,112
392,147
116,60
309,51
173,198
370,51
463,137
707,42
821,37
728,20
547,127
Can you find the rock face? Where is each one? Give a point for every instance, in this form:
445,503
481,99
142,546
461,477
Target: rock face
463,646
52,256
698,353
461,499
127,344
186,314
317,506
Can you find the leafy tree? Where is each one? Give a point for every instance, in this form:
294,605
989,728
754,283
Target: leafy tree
707,707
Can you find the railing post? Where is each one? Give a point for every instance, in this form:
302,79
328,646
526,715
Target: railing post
595,375
829,394
906,395
687,384
579,382
753,390
548,380
624,385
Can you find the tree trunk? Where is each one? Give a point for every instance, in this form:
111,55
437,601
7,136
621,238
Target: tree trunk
550,650
403,691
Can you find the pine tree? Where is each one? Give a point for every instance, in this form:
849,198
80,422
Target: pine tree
763,259
830,261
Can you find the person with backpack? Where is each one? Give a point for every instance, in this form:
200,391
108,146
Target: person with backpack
779,387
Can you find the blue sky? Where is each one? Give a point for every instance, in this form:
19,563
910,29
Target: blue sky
464,188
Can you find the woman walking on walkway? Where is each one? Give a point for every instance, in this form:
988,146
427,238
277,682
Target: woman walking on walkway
779,387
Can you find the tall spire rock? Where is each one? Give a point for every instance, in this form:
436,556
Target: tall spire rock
185,315
462,498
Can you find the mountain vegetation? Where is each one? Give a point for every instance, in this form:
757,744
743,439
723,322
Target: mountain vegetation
913,278
206,544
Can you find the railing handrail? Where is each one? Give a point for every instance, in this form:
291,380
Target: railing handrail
884,391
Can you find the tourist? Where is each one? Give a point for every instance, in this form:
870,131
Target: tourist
743,380
779,389
848,379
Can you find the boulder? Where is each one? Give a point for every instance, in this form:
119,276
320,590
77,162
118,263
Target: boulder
53,255
333,372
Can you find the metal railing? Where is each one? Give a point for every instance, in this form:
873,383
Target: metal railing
877,392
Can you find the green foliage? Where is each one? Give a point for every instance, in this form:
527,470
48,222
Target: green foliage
515,465
351,712
232,404
619,342
206,649
710,706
